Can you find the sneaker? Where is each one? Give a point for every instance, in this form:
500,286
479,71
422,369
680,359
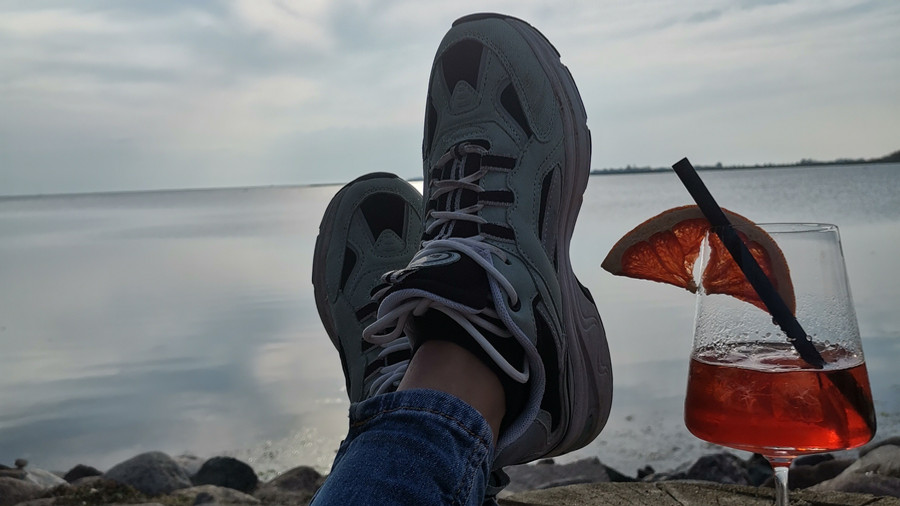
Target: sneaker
372,225
507,157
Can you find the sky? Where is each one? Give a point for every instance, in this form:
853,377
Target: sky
108,95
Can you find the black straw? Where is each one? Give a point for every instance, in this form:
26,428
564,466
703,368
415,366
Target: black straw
779,310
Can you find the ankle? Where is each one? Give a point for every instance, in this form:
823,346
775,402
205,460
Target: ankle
450,368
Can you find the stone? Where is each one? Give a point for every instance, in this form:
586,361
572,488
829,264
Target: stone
294,487
204,498
203,494
190,463
227,472
298,479
98,491
81,471
894,440
720,468
152,473
13,491
875,484
86,480
50,501
18,474
21,463
805,476
758,469
45,479
811,460
877,472
884,460
644,472
541,476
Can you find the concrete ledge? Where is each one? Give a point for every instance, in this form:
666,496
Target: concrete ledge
683,493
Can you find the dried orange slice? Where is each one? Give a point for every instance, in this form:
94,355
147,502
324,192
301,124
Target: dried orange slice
665,248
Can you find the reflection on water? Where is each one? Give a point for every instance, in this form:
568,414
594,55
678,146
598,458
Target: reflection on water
184,321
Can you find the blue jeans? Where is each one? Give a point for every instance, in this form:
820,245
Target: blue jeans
417,447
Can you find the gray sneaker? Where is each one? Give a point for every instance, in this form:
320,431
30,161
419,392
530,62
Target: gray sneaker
507,157
371,226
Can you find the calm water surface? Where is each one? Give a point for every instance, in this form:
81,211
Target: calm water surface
184,321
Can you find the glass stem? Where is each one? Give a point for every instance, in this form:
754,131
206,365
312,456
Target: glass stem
781,481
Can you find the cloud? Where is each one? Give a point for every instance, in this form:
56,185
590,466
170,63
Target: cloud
109,95
301,25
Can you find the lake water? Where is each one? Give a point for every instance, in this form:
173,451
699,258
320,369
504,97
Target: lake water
184,321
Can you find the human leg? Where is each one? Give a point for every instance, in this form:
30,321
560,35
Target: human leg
506,160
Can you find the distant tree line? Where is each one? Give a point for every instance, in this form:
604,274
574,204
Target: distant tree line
806,162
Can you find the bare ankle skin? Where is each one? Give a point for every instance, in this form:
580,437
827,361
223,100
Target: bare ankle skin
450,368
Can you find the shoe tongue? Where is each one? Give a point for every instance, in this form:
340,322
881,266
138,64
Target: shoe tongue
450,275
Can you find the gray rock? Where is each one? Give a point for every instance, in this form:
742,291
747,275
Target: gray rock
805,476
18,474
894,440
861,483
153,473
14,491
298,479
87,480
45,479
190,463
645,471
211,493
884,460
50,501
811,460
21,463
720,468
204,498
540,476
758,469
227,472
294,487
81,471
877,472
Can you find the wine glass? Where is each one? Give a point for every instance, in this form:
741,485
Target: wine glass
748,387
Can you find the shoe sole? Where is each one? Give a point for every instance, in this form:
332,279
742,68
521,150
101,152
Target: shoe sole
588,372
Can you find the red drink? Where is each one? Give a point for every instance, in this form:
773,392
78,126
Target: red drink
760,398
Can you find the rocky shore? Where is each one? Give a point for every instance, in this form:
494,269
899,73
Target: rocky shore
873,478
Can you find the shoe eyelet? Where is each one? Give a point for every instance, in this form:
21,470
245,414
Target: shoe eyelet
515,307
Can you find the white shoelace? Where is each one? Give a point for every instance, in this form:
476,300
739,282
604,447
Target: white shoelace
387,378
396,309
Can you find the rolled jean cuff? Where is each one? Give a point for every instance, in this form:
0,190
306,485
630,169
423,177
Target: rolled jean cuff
412,447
